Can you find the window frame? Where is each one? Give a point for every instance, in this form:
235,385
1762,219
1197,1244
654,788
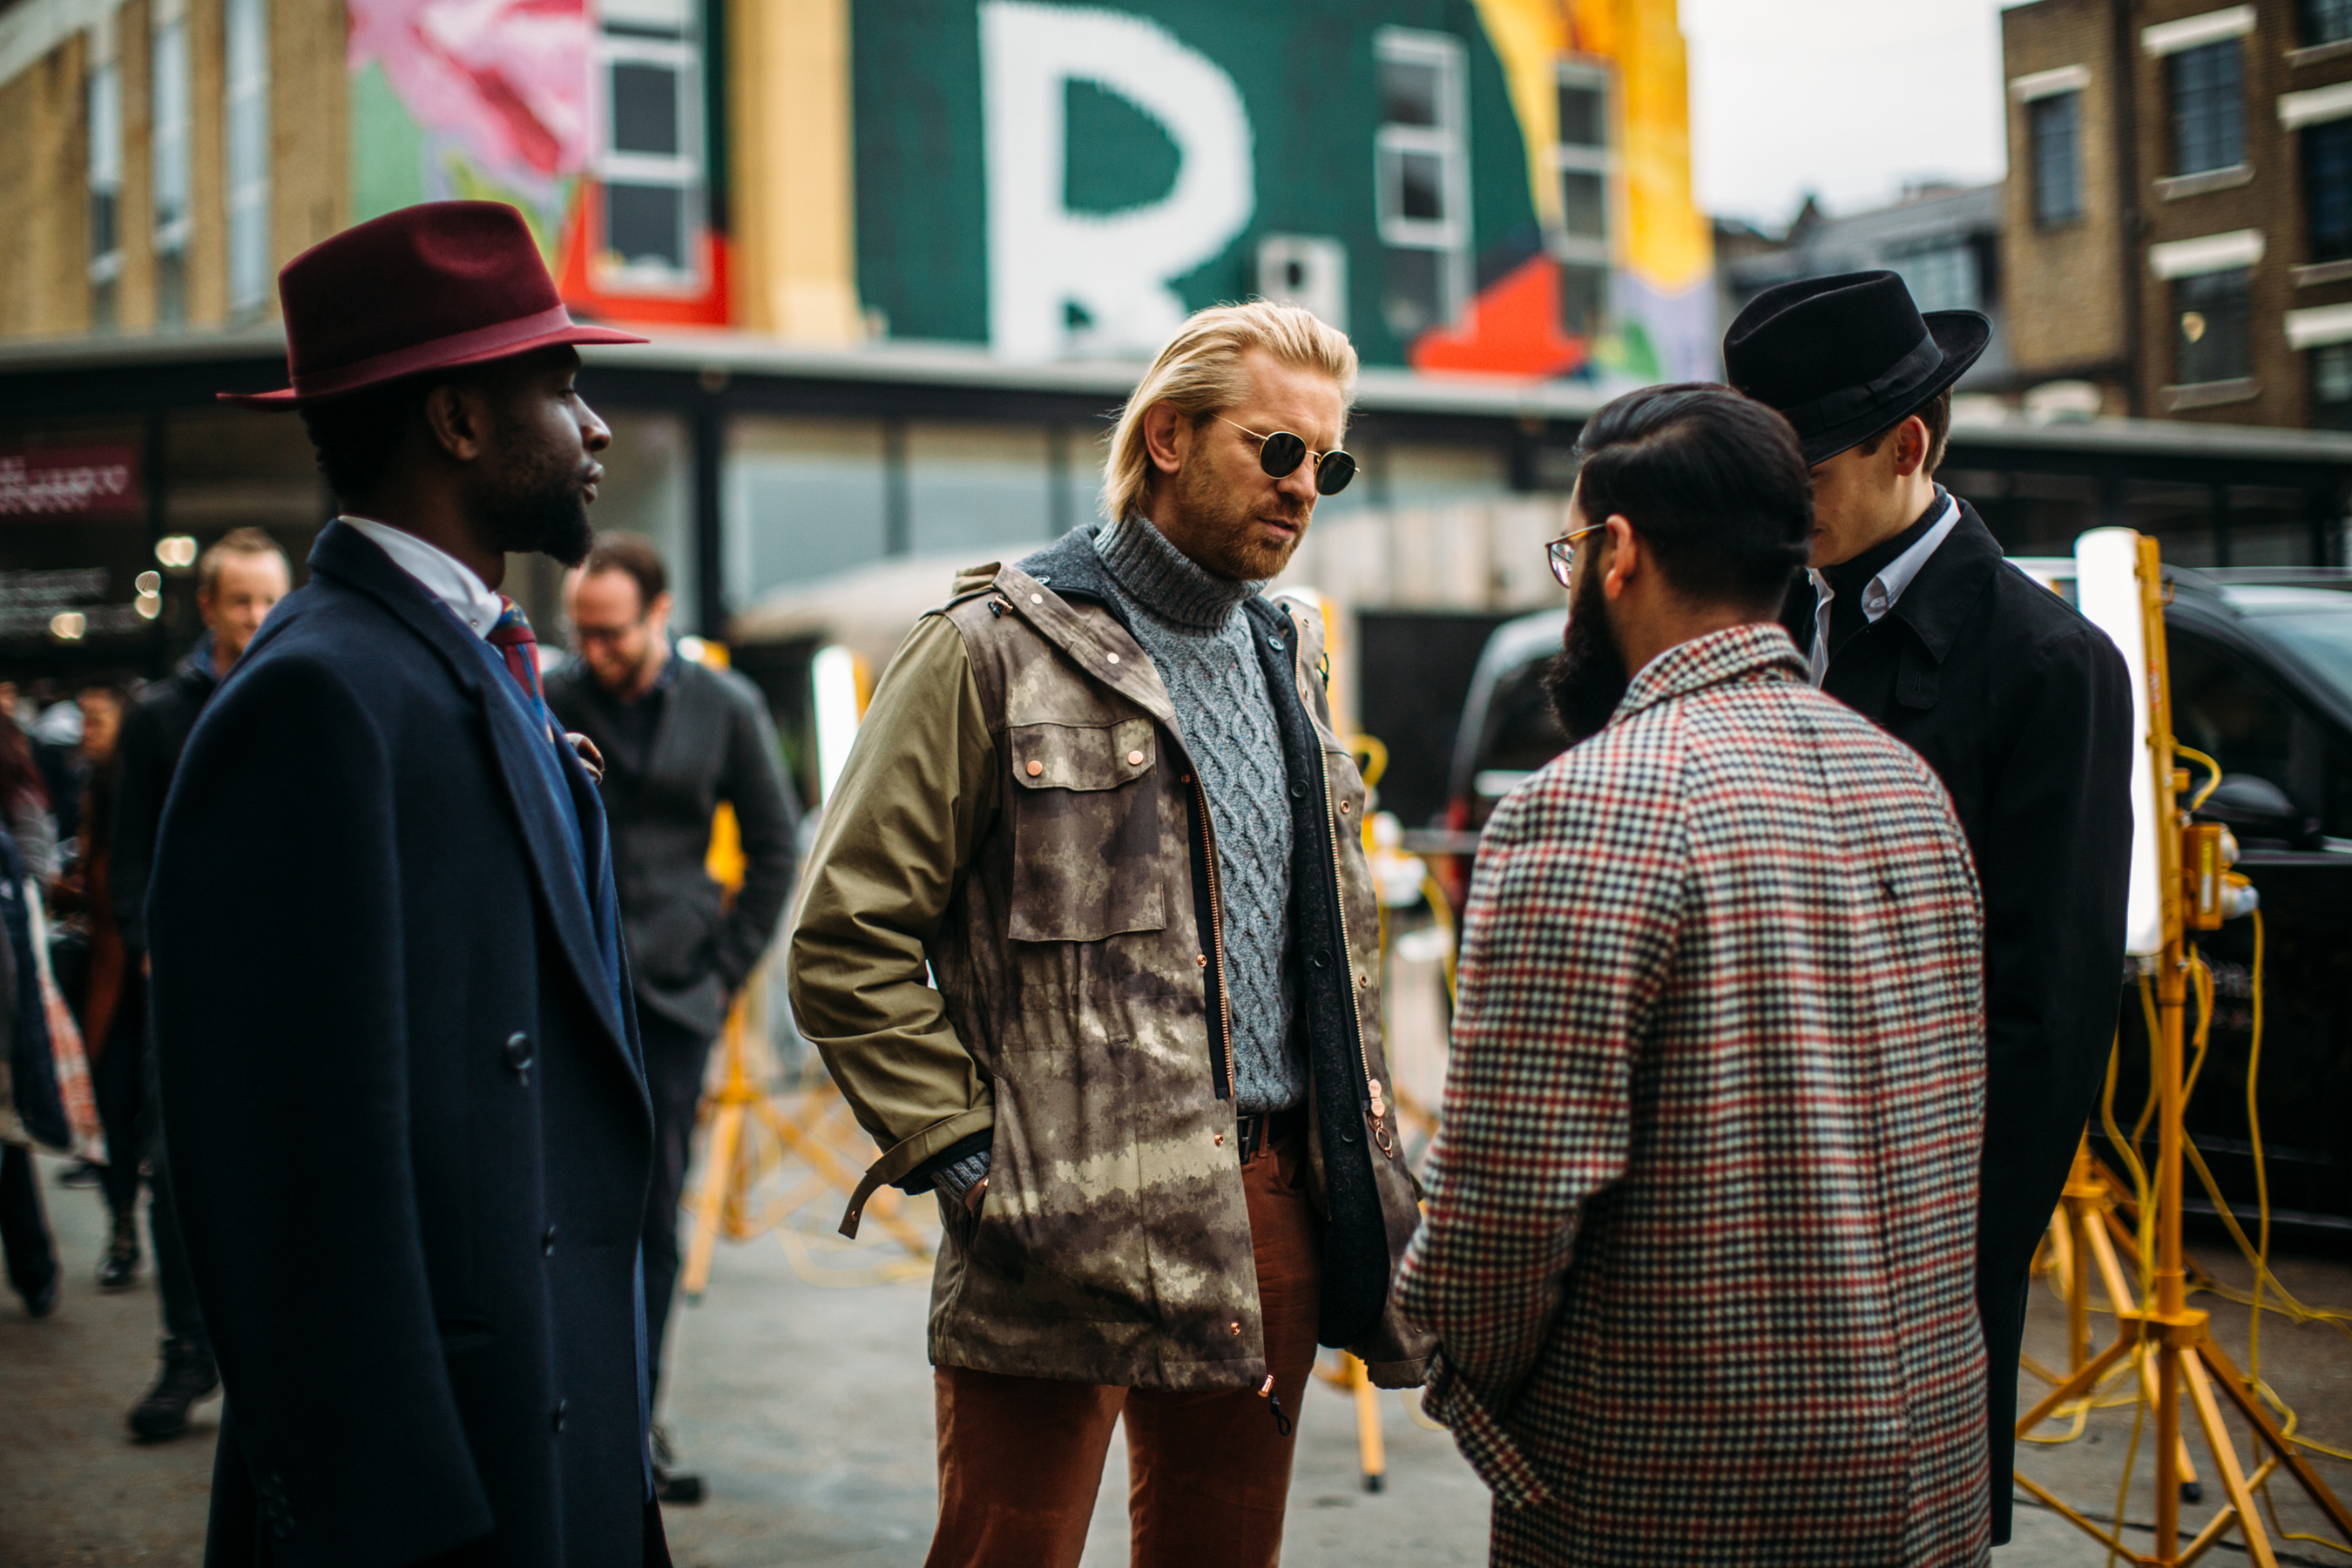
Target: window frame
2036,141
103,170
2233,98
1567,157
1448,236
2188,284
2311,17
687,170
246,141
2314,190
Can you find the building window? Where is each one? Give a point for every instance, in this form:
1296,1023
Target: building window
1421,173
246,117
2212,311
1944,277
168,157
2054,126
2328,188
2209,107
1582,164
105,95
2331,386
2326,22
652,157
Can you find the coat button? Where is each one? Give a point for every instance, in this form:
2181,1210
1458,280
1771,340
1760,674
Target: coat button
518,1051
555,1416
1218,1139
1235,1329
1036,768
1036,598
1200,959
1112,657
546,1242
1299,792
1343,808
1363,982
1135,759
1321,960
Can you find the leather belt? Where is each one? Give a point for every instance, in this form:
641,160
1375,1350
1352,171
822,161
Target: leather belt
1263,1129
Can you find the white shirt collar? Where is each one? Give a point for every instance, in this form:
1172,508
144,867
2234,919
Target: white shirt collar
1880,594
445,576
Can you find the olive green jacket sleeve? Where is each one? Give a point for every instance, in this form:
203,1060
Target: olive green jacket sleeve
912,804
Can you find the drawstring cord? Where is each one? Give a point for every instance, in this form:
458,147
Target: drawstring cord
1273,1402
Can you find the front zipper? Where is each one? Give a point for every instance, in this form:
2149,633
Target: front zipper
1216,922
1348,959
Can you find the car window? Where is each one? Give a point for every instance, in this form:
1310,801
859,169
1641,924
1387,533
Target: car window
1521,736
2228,710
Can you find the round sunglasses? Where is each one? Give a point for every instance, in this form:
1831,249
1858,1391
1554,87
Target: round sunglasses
1281,453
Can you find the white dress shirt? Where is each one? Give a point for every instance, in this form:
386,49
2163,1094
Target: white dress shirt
445,576
1879,594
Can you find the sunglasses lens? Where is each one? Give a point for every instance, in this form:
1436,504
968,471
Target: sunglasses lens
1282,453
1332,474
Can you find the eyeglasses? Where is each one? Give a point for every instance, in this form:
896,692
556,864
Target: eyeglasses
1281,453
1562,551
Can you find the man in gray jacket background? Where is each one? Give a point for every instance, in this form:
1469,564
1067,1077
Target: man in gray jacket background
677,738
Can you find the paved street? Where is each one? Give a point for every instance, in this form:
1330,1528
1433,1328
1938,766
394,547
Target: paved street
807,1406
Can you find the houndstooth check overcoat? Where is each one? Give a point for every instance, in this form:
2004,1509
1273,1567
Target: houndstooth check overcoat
1700,1246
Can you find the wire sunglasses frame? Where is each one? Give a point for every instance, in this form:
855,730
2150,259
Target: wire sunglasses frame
1280,454
1561,552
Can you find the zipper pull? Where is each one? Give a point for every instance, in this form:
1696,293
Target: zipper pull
1379,1110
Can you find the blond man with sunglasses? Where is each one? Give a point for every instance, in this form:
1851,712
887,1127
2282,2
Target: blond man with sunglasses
1088,941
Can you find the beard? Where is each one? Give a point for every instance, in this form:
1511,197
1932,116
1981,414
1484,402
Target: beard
1587,679
1220,522
539,507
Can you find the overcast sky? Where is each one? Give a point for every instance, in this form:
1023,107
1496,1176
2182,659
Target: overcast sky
1845,98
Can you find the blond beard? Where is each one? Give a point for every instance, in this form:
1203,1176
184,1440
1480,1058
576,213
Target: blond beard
1219,523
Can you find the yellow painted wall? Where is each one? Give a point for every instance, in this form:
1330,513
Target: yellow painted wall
795,227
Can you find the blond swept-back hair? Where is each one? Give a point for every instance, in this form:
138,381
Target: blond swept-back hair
1200,372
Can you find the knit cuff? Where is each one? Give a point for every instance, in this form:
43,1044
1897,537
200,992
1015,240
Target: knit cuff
959,1178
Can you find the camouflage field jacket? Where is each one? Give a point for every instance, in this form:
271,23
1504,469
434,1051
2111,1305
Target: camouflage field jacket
1009,926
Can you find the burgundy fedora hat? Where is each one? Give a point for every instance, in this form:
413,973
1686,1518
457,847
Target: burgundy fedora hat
427,288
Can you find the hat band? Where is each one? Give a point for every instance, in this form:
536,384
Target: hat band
1836,407
429,354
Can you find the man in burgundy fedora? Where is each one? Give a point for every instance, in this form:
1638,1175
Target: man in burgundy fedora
401,1091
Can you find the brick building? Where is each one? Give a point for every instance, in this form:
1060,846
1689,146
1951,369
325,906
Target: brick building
2177,232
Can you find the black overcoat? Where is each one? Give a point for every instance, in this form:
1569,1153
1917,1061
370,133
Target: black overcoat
2025,710
407,1124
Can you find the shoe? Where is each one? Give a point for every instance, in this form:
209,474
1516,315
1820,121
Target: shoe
671,1484
188,1375
120,1269
43,1301
81,1173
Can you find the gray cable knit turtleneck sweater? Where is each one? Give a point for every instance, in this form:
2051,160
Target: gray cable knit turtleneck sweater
1190,621
1190,624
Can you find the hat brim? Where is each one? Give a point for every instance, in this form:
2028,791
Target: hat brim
430,357
1962,336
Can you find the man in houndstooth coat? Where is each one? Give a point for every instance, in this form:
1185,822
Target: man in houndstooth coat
1700,1245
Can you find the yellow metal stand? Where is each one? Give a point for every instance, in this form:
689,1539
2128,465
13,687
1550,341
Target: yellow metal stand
2173,1333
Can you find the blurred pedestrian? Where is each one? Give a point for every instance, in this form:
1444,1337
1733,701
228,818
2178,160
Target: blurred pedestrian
26,810
1698,1252
85,893
2023,709
677,740
1088,941
30,1252
401,1082
240,578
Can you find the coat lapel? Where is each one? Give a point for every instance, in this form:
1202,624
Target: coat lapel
345,553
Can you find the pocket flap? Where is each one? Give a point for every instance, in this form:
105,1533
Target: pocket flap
1081,756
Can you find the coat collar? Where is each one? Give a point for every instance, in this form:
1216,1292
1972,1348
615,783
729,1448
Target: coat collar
349,556
1760,649
1941,601
1045,589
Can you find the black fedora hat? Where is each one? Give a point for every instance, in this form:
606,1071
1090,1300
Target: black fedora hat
1847,356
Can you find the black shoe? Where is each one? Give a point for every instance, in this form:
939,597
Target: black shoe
188,1375
671,1484
120,1269
81,1173
43,1301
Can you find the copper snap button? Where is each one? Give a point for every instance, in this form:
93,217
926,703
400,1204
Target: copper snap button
1135,759
1202,959
1237,1329
1343,808
1218,1139
1036,768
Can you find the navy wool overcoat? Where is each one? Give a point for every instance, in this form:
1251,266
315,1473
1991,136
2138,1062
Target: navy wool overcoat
402,1100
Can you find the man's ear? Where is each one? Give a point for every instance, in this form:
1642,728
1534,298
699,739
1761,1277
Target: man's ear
1625,562
453,417
1167,435
1910,446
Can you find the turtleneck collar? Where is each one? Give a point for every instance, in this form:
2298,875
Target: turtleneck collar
1165,580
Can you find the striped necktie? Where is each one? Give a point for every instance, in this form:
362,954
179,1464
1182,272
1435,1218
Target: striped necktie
512,638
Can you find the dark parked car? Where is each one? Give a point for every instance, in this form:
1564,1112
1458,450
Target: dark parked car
2262,680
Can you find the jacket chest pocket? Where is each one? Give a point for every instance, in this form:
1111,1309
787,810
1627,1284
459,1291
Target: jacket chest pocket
1086,859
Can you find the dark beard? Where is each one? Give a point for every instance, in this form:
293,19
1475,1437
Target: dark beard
1587,679
541,507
